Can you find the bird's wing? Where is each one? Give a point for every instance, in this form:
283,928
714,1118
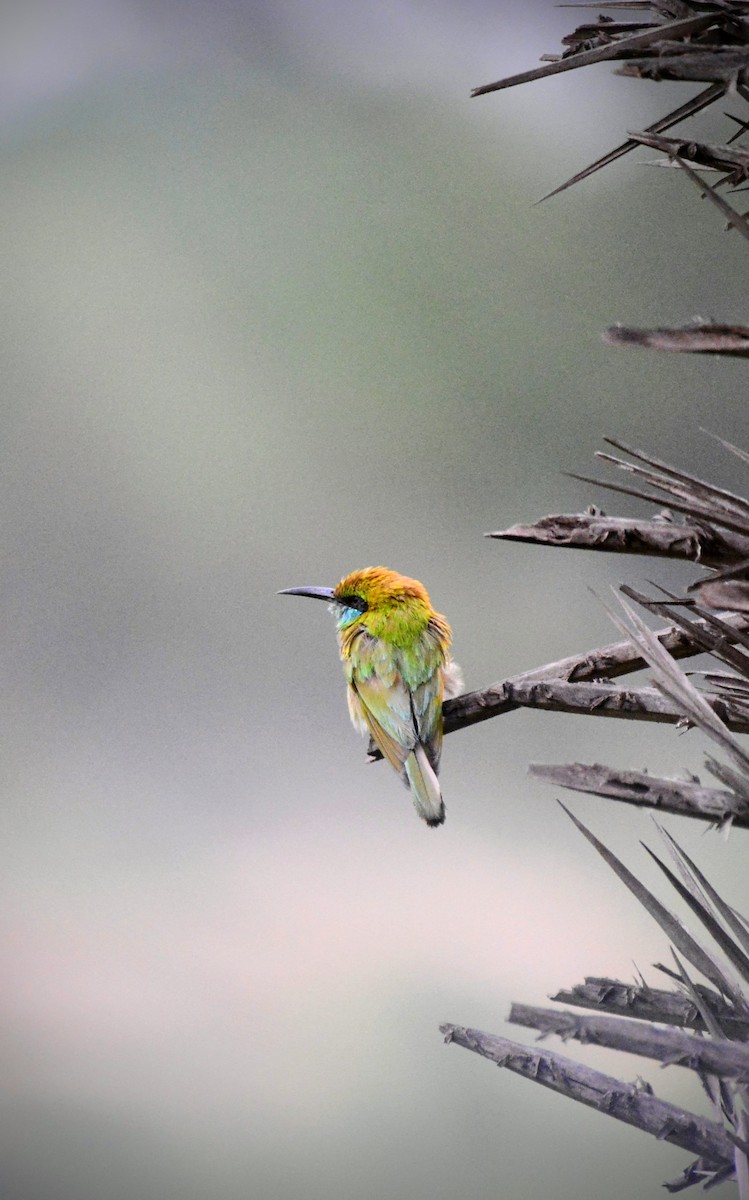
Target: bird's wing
389,747
387,713
426,702
397,715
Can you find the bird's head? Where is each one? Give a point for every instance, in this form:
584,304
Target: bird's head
386,603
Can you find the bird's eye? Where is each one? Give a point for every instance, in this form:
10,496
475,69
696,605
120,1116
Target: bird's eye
356,602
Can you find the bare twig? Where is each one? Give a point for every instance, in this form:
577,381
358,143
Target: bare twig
695,105
705,890
619,49
733,162
654,1004
695,706
721,976
705,338
663,537
688,799
696,900
624,1101
683,41
729,1060
689,508
699,1172
718,503
723,650
734,219
713,65
607,700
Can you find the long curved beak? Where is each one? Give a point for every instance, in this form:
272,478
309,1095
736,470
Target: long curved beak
315,592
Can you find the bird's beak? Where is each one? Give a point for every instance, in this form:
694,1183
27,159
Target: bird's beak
314,592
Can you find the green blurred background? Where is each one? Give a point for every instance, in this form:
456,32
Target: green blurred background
276,304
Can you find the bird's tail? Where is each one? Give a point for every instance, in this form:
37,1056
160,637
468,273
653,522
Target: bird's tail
425,787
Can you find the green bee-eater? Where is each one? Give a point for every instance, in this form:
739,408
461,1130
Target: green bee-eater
395,653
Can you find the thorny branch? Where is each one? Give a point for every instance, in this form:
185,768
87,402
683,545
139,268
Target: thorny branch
607,700
655,1004
705,41
661,536
683,797
699,338
671,1047
625,1102
652,37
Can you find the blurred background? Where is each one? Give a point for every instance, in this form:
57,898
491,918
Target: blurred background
276,304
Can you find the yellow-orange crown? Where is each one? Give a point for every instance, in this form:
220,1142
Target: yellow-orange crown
390,606
380,586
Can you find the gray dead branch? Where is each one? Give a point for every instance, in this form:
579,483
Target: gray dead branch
734,219
720,1010
632,704
671,1047
625,1102
654,36
682,113
731,161
701,710
715,534
672,607
682,797
715,64
684,42
655,1004
728,340
699,1172
699,954
661,536
697,497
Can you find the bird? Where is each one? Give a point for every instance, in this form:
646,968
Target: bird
395,650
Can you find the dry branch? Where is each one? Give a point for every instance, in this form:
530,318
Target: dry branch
734,220
721,649
706,40
695,105
633,704
695,900
703,890
685,41
700,709
726,65
603,662
687,799
624,1101
671,1047
708,338
661,536
731,161
655,1004
699,1172
633,44
707,501
704,960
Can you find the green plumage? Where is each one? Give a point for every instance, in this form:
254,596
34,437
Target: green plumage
395,652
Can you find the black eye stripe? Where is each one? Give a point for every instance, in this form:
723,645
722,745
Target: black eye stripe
356,602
